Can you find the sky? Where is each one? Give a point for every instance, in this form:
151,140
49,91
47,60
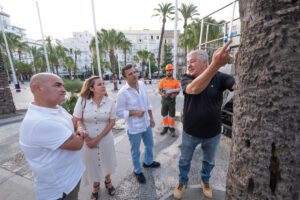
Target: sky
62,17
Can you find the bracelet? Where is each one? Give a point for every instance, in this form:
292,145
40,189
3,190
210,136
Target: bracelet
80,127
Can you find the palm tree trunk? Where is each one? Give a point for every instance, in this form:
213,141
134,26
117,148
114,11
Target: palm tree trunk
56,67
125,58
143,68
160,45
264,160
112,64
70,74
7,105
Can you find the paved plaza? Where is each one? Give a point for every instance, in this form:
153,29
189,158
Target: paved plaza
16,181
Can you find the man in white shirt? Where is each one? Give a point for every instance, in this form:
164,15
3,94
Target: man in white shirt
133,105
49,143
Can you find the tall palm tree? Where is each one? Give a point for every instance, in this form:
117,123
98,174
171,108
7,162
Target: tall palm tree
188,11
39,59
113,41
142,56
190,38
264,160
164,11
60,52
7,105
77,52
126,48
69,64
21,47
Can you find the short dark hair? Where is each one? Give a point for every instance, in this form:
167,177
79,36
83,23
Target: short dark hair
129,66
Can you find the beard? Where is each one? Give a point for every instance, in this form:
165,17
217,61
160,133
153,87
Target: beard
169,75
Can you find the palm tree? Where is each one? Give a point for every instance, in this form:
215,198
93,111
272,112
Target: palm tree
113,40
77,52
264,160
142,56
69,64
188,11
126,47
60,52
190,38
164,11
7,105
21,46
39,60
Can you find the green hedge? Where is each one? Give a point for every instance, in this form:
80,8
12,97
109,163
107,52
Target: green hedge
73,86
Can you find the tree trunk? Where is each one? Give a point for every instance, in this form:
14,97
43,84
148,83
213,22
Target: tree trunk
113,69
143,68
7,105
125,58
56,67
70,74
160,45
265,154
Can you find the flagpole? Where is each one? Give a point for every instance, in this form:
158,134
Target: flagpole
175,39
96,41
17,86
44,44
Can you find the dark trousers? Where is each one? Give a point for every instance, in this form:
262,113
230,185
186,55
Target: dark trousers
72,195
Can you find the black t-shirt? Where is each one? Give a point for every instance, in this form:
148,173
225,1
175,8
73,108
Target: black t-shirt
202,112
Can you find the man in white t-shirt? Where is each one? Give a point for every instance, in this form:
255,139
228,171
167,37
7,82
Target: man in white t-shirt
49,143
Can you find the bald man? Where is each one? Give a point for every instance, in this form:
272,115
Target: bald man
48,140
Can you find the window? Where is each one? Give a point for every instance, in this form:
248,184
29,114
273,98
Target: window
166,41
157,37
145,38
180,61
151,37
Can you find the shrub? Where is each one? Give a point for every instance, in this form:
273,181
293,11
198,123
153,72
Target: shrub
73,86
70,103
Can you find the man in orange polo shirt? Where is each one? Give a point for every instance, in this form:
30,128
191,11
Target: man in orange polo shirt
168,88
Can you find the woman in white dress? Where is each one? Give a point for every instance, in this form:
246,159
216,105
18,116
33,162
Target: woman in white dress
96,113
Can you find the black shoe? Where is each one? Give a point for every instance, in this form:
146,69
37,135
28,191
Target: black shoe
140,177
154,164
172,130
164,131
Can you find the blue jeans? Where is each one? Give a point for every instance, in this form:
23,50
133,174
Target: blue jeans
209,147
135,141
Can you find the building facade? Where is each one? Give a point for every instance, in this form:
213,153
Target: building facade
80,41
149,40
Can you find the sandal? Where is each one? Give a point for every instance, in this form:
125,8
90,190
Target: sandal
111,190
94,195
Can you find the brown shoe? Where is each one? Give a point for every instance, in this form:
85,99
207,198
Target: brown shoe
207,190
179,189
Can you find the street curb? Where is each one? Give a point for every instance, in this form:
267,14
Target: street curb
11,120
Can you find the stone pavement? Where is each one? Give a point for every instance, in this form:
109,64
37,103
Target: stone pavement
16,181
